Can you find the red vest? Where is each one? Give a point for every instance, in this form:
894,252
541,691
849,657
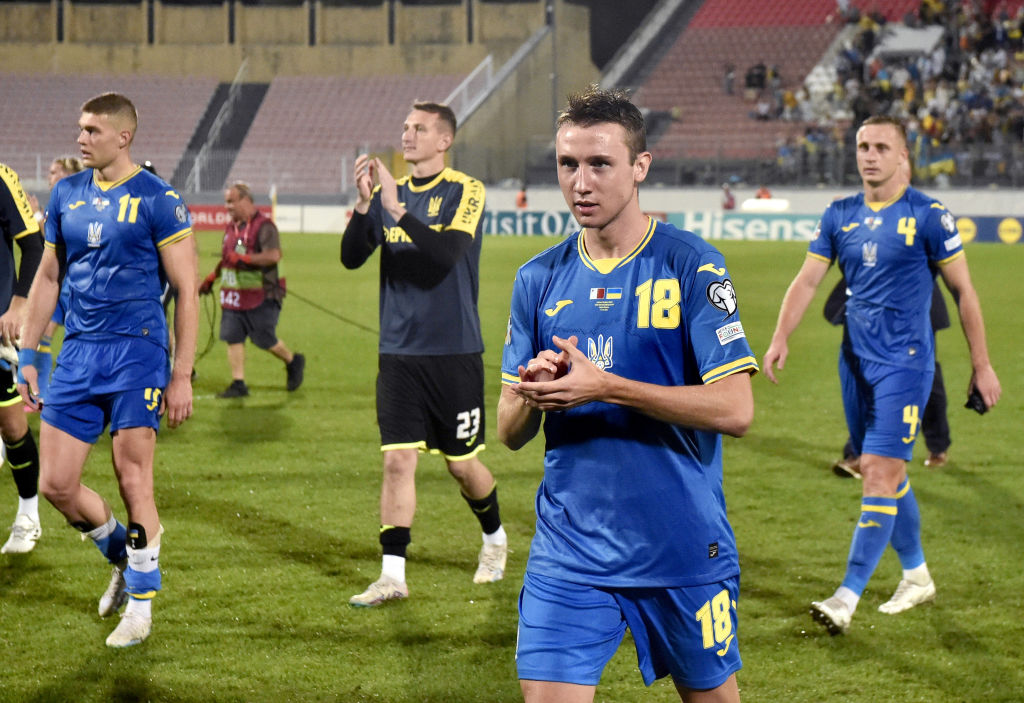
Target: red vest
241,287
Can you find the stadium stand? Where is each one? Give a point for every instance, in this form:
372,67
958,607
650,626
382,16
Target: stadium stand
39,113
309,128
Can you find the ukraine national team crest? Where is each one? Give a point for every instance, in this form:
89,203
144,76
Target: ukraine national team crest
434,206
873,223
95,234
100,204
869,254
600,351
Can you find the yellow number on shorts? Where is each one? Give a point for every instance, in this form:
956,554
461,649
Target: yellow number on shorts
912,418
153,396
715,618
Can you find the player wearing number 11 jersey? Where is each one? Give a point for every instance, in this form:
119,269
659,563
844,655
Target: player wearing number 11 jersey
626,340
124,232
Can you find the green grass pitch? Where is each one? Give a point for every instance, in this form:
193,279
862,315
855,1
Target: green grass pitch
270,509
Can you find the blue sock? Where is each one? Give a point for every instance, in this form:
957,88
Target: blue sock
906,531
870,538
112,541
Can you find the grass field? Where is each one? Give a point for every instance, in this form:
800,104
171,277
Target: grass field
270,509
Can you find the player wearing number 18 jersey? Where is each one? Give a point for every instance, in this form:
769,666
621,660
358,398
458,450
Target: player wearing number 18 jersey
650,366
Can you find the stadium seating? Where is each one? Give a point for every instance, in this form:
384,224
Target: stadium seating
687,82
310,128
39,114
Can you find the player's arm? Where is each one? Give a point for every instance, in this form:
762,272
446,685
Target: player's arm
179,262
726,405
31,246
42,299
518,421
798,297
957,277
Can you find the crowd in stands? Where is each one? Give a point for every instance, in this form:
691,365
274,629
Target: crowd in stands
962,101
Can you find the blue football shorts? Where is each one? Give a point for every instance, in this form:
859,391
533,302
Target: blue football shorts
884,405
117,382
568,632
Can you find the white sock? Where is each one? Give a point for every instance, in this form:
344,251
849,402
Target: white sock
918,575
393,567
848,597
139,606
29,506
496,537
104,530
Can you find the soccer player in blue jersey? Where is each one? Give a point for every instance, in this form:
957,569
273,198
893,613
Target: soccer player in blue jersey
889,242
625,339
17,224
430,392
124,233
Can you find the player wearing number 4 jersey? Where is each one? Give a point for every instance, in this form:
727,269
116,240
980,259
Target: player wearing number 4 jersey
626,340
125,233
430,382
888,241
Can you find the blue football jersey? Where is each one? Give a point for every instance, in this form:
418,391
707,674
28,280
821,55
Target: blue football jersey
888,253
627,500
111,234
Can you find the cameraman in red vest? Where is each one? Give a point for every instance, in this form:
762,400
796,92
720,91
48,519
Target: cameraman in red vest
251,290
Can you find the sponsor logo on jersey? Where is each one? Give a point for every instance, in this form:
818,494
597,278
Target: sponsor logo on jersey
817,231
173,194
948,221
722,295
508,332
434,206
100,204
551,312
75,205
869,254
953,242
851,226
600,351
730,332
95,234
873,223
181,212
712,269
869,523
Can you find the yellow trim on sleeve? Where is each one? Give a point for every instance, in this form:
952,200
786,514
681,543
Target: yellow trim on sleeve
176,237
508,379
747,363
51,245
819,257
948,259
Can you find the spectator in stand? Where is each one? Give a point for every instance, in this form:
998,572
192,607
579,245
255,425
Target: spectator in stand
728,199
